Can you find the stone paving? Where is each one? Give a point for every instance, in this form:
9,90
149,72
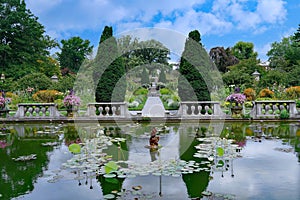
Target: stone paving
153,106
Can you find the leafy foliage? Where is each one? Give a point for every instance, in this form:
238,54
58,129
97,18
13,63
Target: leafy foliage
241,74
150,53
38,81
284,114
73,52
24,44
64,84
191,85
145,77
293,92
46,96
244,50
112,84
162,77
222,58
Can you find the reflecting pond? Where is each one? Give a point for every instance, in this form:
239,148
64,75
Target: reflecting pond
258,160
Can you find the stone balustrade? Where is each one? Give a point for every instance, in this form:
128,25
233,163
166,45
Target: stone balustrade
107,110
200,110
272,109
37,110
187,110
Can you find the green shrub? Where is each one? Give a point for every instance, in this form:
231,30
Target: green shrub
210,111
165,91
298,103
141,91
263,99
277,112
248,104
284,114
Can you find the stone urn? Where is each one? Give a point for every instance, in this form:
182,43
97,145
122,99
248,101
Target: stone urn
72,111
237,111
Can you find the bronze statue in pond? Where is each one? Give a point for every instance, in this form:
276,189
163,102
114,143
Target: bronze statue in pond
153,141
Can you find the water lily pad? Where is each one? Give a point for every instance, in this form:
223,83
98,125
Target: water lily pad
210,158
176,175
109,196
122,176
52,180
75,148
206,193
220,163
109,175
110,167
137,187
220,151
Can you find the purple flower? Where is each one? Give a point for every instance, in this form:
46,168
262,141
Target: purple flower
71,100
4,101
236,98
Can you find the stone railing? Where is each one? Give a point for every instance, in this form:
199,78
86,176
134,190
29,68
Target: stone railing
272,109
200,110
107,110
37,110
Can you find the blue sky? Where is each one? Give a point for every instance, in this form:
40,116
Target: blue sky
220,22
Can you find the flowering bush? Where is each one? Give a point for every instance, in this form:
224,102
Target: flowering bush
266,93
250,94
293,92
3,99
47,96
2,102
236,98
71,100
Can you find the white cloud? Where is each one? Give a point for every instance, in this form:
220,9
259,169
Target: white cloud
40,6
92,14
250,17
271,11
263,50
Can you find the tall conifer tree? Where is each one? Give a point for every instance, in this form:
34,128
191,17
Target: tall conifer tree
110,70
194,64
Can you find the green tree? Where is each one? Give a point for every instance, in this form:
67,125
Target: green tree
150,53
222,58
162,77
244,50
284,55
111,86
64,84
292,77
73,52
296,36
241,74
38,81
145,77
194,59
127,45
273,77
23,42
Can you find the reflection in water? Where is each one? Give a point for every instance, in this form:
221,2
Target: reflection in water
18,177
172,172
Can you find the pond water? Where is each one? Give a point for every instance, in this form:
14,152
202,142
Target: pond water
258,160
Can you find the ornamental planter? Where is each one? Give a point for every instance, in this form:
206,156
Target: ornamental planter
71,112
237,112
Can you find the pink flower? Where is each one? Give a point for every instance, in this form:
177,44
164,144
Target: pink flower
71,100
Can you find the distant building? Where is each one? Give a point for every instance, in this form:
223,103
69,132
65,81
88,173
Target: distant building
265,64
175,65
